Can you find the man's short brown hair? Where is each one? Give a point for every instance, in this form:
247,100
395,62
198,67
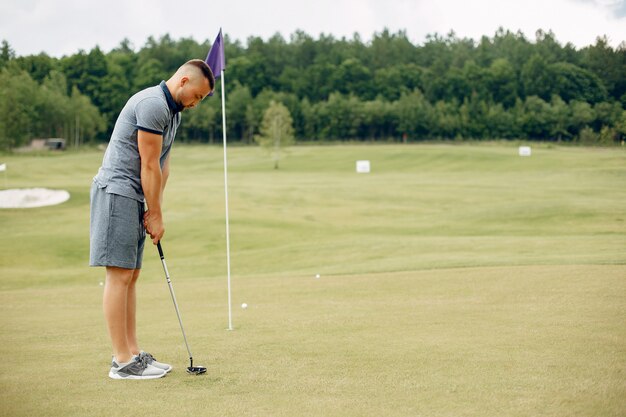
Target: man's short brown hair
206,70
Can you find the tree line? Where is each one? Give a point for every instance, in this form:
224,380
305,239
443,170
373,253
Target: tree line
501,87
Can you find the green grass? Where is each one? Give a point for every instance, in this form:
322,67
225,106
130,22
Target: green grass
455,281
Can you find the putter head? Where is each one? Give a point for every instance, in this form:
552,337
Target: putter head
196,370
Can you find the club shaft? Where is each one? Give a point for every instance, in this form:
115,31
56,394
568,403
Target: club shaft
169,284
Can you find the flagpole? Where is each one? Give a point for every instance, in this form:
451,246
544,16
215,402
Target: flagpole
216,61
230,309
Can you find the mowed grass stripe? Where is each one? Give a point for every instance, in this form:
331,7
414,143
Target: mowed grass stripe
481,341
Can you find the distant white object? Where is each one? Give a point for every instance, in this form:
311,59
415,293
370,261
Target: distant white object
363,167
524,151
317,276
32,197
244,306
3,168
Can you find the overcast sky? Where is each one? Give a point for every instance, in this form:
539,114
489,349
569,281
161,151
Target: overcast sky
63,27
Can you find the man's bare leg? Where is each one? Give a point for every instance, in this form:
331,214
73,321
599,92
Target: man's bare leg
131,315
115,306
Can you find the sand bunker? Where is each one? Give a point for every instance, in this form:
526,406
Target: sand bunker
32,197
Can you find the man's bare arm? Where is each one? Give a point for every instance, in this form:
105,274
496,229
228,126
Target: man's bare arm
150,145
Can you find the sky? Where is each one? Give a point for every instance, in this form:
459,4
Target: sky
64,27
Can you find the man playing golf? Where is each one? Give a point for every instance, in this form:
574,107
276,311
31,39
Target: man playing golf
135,170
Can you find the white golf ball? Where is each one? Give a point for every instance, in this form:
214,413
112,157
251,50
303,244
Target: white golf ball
317,276
101,283
244,306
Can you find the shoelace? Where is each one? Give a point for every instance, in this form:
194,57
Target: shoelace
143,360
147,356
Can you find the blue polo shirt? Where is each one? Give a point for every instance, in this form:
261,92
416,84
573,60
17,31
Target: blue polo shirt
152,110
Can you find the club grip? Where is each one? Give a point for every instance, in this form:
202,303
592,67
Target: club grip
160,249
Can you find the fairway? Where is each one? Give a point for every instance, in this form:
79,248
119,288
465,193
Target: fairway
455,280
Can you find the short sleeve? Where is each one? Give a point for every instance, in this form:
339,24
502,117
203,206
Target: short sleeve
152,115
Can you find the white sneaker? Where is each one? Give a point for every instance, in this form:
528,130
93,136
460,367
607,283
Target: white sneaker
152,361
137,368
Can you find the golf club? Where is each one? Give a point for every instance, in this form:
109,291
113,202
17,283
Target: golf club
194,370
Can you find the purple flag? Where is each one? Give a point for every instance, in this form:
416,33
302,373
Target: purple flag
215,58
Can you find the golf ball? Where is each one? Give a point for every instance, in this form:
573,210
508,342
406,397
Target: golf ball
101,283
244,306
317,276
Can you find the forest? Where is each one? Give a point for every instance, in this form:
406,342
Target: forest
504,86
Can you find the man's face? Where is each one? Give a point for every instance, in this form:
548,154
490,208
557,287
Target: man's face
192,91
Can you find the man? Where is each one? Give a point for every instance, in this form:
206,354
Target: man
135,169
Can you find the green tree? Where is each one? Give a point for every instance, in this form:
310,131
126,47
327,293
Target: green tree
607,114
251,123
308,119
502,85
378,119
478,80
169,53
18,107
453,86
473,115
608,64
6,54
608,136
37,66
239,98
53,107
588,137
561,116
250,69
254,113
574,83
340,117
549,48
316,81
415,115
447,122
200,123
535,121
392,81
536,79
582,116
389,48
502,81
500,122
352,77
621,126
149,73
276,131
122,61
86,117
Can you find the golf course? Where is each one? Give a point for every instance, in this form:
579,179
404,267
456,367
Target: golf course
454,280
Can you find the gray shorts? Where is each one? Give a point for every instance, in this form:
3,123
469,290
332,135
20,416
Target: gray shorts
117,234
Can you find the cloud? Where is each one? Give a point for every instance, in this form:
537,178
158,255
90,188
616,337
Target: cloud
616,8
63,27
578,22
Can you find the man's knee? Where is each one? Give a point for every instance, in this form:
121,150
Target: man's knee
135,275
121,276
